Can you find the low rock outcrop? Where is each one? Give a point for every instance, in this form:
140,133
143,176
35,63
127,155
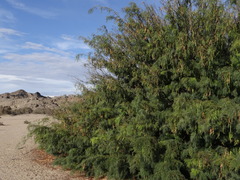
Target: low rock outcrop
22,102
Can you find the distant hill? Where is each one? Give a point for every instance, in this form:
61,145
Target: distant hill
22,102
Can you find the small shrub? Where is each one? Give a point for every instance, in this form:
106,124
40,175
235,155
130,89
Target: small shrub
19,111
5,110
26,122
43,111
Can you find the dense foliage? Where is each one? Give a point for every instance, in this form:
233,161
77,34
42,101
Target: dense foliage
164,101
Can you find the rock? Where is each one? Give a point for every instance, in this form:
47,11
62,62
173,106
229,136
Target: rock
22,102
38,95
19,94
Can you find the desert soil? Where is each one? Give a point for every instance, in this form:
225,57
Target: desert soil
20,161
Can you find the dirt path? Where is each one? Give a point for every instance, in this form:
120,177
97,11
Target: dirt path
17,161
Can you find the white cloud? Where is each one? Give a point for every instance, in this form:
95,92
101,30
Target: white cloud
46,72
9,87
69,42
52,81
71,45
8,45
9,40
45,86
7,78
32,79
37,67
36,46
31,45
35,57
67,37
5,32
39,12
5,50
6,16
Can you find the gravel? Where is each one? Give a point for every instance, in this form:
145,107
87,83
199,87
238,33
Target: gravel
17,160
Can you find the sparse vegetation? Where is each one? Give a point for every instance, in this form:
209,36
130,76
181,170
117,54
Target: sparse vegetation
8,110
168,105
43,111
5,110
26,122
25,110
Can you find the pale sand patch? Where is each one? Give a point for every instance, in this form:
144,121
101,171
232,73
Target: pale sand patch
17,160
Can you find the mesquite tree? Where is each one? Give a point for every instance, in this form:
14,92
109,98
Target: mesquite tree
164,102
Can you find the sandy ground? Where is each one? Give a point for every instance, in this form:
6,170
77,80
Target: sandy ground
20,161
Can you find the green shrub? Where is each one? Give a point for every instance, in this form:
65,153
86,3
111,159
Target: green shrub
168,106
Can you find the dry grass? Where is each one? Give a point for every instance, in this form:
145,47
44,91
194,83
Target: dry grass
45,159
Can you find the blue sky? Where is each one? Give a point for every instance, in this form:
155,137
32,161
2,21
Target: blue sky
39,42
